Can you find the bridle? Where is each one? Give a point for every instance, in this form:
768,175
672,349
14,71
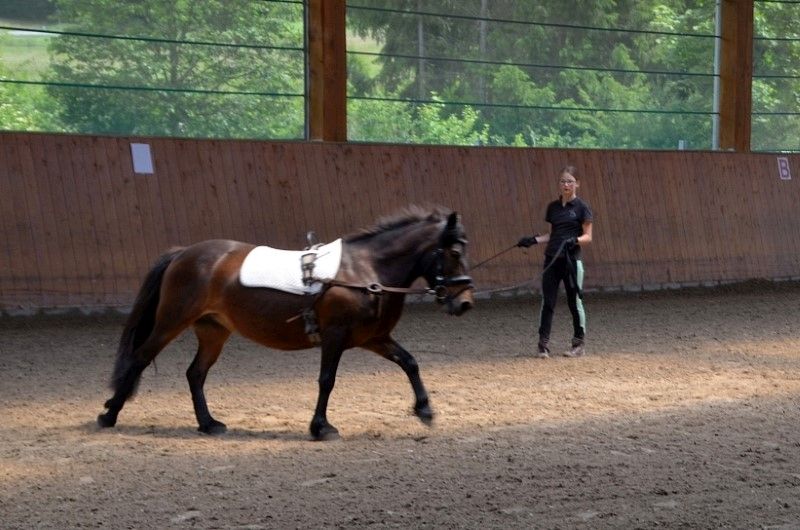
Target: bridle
439,284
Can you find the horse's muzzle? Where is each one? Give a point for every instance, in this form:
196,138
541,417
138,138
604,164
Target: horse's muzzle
461,303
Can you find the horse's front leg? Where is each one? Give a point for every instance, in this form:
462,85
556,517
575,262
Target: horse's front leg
388,348
332,348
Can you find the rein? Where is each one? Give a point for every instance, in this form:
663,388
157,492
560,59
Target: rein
493,257
532,281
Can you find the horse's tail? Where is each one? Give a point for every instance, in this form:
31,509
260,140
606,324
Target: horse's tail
142,317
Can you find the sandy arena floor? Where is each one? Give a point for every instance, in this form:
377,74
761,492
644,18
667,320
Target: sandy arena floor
683,415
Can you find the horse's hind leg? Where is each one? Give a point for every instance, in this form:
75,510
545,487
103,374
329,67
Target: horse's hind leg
391,350
128,379
211,336
331,354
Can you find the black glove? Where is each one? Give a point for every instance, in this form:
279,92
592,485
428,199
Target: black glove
570,242
527,241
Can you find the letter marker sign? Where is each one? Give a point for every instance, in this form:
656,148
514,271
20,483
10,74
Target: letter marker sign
783,168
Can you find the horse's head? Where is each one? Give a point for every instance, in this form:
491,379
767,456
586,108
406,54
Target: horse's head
447,275
420,243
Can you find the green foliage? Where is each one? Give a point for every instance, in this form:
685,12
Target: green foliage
400,122
379,121
532,99
773,94
434,126
176,84
464,72
25,108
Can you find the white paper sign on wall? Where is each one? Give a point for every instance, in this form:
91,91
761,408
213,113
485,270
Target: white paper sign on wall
142,159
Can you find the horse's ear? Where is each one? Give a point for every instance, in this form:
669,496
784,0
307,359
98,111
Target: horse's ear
452,221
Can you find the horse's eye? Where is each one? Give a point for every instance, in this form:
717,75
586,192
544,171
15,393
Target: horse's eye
455,252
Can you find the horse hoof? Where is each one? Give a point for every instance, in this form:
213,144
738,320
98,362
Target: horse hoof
215,427
104,420
326,433
425,415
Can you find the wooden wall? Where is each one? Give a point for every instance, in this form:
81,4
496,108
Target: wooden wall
79,229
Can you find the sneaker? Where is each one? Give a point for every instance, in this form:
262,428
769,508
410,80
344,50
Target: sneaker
575,351
542,352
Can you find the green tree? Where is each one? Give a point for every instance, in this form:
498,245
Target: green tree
24,107
776,65
182,68
553,59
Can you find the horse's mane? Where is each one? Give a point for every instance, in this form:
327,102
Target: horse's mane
405,217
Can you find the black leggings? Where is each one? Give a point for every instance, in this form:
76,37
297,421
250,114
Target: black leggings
570,271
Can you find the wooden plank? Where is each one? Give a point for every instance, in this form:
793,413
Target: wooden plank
119,228
617,221
516,266
265,186
161,198
532,204
27,200
13,286
761,199
250,183
75,210
677,254
312,176
291,219
104,240
235,202
191,206
646,221
603,236
95,250
478,178
43,184
248,193
144,188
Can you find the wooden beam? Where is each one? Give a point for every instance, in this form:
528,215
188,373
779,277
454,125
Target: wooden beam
736,75
327,71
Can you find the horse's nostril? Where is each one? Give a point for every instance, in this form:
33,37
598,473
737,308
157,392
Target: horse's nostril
466,306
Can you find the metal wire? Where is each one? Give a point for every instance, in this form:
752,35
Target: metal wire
530,23
531,107
534,65
154,39
154,89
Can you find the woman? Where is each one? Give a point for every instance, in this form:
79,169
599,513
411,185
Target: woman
570,220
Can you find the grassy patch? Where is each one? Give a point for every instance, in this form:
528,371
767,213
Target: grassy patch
361,44
23,55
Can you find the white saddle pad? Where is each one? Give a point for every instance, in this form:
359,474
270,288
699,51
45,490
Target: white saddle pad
281,269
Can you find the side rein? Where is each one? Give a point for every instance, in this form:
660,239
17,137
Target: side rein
433,271
438,283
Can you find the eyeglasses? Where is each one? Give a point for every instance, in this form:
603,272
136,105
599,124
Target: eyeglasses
564,181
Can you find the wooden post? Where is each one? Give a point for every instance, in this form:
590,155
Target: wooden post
736,75
327,71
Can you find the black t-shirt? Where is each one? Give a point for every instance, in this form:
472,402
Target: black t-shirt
566,221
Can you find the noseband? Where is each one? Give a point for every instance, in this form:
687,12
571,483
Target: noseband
440,284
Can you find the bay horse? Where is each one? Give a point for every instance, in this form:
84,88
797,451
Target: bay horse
199,286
